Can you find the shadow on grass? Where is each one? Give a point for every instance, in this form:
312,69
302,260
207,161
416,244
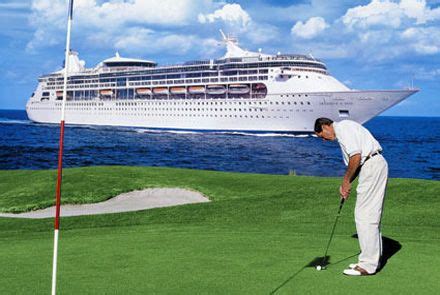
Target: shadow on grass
389,248
288,280
323,261
346,258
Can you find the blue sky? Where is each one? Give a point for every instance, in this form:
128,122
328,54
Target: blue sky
366,44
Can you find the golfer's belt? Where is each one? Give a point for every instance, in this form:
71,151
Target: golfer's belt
379,152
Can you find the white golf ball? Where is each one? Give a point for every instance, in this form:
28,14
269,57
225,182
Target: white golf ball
318,267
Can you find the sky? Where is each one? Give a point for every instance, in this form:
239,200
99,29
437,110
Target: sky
379,44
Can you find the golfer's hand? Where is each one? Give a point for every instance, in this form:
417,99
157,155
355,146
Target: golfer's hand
344,189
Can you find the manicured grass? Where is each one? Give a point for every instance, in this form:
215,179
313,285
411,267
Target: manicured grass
255,237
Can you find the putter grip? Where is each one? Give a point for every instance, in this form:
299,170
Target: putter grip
341,204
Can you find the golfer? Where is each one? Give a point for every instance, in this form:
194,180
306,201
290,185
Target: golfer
362,155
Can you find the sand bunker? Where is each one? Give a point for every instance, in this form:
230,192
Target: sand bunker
131,201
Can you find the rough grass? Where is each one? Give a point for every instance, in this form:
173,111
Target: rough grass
254,238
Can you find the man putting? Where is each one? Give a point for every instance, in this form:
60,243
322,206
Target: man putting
362,155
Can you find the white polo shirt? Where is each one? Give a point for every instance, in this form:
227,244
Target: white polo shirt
355,139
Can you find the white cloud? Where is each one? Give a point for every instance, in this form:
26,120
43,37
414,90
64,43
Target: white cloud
134,38
111,18
385,13
236,20
48,17
262,33
378,31
375,33
230,13
423,40
288,11
140,41
415,9
310,29
140,11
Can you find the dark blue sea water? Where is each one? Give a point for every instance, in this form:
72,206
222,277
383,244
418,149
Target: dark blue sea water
411,146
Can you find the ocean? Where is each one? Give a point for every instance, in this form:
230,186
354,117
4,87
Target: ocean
411,146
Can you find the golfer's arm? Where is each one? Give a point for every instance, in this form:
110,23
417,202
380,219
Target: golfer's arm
353,165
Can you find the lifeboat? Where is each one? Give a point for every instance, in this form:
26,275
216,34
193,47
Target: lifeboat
143,91
239,89
178,90
259,88
160,90
216,89
196,89
106,92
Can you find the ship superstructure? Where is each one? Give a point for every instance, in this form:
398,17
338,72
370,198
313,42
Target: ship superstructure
241,91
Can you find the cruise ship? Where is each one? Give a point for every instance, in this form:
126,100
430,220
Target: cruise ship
243,91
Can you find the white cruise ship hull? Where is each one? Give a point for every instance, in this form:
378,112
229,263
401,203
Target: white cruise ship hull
287,112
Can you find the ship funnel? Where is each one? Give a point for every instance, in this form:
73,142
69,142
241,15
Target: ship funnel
232,48
75,64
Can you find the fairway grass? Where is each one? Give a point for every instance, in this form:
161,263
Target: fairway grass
255,237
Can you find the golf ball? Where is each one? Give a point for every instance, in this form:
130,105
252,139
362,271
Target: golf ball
318,267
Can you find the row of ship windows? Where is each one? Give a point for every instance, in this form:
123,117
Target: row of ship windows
207,115
214,103
175,109
186,103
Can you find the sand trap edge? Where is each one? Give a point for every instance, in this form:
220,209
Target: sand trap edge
127,202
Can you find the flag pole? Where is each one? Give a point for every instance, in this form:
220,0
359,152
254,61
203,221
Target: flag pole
60,152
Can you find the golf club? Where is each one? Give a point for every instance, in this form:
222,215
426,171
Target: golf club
323,263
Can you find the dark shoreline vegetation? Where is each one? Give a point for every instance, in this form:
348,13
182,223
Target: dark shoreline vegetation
255,237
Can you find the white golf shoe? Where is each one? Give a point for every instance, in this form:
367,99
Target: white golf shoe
356,271
352,265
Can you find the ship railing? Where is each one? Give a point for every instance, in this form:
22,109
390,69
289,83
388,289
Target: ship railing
83,86
268,58
192,81
119,69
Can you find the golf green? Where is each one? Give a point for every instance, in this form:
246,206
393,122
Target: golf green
257,236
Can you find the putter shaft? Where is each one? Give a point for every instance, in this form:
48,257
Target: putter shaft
333,231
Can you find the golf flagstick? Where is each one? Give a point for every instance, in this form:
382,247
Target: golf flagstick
60,153
333,230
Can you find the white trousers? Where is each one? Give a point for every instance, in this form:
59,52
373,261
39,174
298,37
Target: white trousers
368,212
